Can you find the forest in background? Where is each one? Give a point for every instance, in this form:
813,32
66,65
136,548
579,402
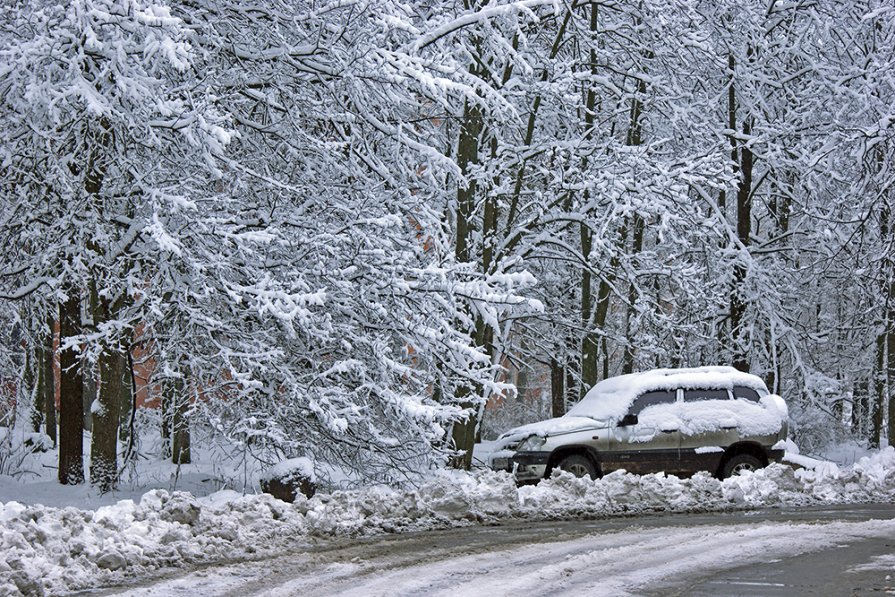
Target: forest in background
331,228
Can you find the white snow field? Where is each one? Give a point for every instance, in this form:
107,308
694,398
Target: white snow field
635,561
57,550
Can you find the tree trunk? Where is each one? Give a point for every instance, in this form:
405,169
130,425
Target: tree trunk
879,394
39,404
890,370
30,389
744,225
885,344
91,392
628,357
180,425
104,439
48,375
590,354
557,388
742,165
887,399
71,399
166,405
634,139
590,348
463,431
859,407
126,403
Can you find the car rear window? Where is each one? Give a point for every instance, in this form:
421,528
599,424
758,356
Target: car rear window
652,398
746,393
694,395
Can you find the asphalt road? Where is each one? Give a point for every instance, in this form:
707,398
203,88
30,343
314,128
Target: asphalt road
830,551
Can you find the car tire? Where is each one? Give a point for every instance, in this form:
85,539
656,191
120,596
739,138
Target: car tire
740,462
578,465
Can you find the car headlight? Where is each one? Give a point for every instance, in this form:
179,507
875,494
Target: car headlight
532,443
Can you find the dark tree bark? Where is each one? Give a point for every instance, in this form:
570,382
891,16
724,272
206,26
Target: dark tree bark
91,391
463,432
885,359
886,397
630,350
744,225
890,349
890,371
590,356
634,139
39,406
127,398
180,425
557,388
104,439
48,379
590,348
742,165
29,389
879,386
71,398
166,405
860,404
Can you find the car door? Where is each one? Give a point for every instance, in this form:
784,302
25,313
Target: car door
643,443
707,430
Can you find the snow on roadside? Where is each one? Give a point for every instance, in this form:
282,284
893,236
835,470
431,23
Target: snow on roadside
54,550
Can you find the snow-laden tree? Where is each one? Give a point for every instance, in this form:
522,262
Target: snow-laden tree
246,194
105,130
328,225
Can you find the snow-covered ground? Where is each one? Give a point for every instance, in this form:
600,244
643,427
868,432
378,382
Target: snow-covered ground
729,554
29,474
63,549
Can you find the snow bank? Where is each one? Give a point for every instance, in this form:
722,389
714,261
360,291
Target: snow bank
55,550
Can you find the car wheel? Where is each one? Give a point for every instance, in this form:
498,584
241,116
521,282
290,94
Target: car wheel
739,463
578,465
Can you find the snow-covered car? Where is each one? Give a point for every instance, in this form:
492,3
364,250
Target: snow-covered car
679,421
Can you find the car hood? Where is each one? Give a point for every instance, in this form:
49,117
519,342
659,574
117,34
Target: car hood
555,426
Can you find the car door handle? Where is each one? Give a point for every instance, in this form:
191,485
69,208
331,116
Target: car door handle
728,428
669,431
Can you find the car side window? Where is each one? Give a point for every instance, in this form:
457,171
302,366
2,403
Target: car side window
694,395
746,393
652,398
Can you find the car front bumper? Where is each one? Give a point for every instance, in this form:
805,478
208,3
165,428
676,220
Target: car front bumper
526,466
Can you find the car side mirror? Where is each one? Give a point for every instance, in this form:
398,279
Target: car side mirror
628,419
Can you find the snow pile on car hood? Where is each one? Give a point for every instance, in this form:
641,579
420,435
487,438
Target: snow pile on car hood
56,550
565,424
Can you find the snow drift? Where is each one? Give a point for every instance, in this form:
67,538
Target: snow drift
53,550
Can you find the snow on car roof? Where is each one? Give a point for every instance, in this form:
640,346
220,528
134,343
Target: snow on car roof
612,397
